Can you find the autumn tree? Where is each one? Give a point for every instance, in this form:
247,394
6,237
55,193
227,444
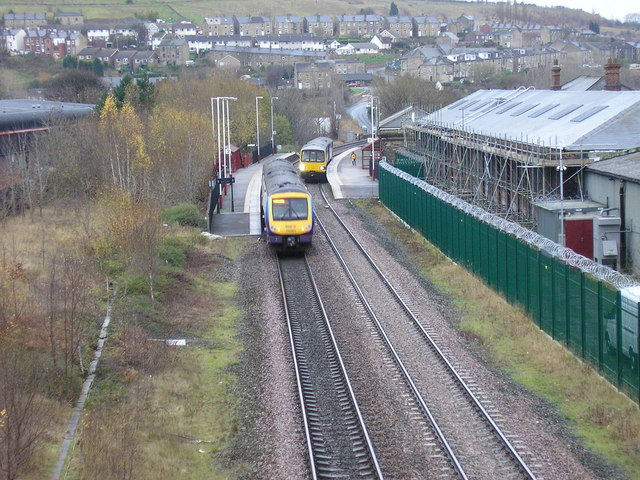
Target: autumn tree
181,140
131,236
124,151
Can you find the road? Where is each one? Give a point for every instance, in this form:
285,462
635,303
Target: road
360,114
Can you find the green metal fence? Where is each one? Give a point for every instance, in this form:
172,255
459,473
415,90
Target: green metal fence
588,315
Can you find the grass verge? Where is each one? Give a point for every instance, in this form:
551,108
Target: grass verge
607,421
169,412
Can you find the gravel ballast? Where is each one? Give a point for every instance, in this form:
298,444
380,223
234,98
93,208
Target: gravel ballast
271,431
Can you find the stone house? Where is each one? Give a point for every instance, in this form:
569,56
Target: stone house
348,66
218,26
358,26
313,76
426,27
68,18
229,62
75,42
320,25
257,57
173,51
24,20
253,26
400,26
289,24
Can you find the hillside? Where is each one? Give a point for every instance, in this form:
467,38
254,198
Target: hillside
114,10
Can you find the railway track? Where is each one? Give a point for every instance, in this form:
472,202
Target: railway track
473,441
346,146
337,439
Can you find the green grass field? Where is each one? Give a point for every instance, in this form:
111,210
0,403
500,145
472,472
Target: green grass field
198,9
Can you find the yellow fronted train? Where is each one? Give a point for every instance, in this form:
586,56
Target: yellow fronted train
285,206
315,155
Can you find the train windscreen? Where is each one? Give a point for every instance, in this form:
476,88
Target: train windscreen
290,208
312,156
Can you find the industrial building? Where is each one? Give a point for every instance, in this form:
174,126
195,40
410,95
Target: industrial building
532,156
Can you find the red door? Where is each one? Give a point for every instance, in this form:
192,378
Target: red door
579,236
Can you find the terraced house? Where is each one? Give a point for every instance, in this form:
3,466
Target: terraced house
219,26
290,24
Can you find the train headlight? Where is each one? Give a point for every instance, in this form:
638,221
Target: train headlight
301,167
306,228
274,229
323,168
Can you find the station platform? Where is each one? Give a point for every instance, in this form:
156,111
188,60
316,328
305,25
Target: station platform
240,214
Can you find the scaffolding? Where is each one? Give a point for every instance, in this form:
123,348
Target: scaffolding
503,176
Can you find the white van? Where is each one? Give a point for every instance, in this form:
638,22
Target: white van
630,302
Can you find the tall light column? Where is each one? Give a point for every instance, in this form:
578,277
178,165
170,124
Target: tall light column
373,130
273,147
258,126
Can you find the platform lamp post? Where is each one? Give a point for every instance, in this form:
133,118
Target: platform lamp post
373,132
258,126
273,146
222,123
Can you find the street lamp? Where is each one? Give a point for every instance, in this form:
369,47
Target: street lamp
273,147
258,126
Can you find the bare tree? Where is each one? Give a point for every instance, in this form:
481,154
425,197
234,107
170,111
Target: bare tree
26,413
67,306
110,444
406,91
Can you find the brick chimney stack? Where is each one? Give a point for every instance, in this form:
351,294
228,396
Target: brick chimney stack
555,75
612,76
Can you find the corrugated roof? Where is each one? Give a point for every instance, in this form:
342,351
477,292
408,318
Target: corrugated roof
24,113
625,166
572,120
582,83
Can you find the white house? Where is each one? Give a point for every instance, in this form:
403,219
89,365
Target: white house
199,43
292,42
98,33
382,42
184,29
12,40
357,49
157,38
345,49
126,30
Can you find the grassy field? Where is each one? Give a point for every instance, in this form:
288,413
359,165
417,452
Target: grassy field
196,10
607,421
175,422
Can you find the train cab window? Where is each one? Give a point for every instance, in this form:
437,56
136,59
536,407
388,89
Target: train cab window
313,156
290,208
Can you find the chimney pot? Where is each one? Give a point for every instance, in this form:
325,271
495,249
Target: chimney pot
612,76
555,75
